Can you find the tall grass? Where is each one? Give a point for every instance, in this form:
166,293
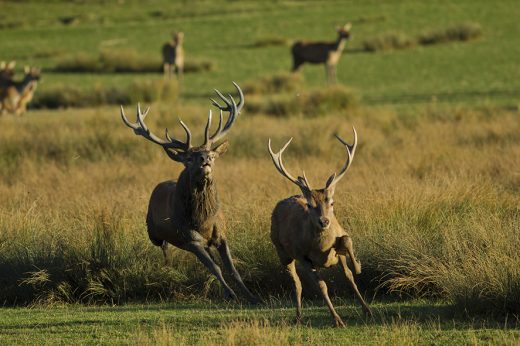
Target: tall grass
431,202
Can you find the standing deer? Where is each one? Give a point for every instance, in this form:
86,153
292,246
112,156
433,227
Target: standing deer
15,96
173,56
304,229
186,213
327,53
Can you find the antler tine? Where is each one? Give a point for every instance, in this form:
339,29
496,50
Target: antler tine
231,107
141,129
351,150
207,141
278,163
188,133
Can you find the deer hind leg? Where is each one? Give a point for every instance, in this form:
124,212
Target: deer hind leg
352,283
291,269
315,277
164,248
227,261
198,250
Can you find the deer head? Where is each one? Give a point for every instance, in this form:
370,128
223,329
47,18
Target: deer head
344,31
199,160
320,202
32,73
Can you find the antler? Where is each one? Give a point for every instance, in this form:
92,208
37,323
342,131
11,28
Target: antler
141,129
301,182
230,106
351,150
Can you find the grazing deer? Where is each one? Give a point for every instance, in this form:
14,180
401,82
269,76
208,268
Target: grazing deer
173,56
327,53
15,96
304,229
186,212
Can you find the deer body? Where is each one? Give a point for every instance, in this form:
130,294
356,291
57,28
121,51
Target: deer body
327,53
304,229
173,56
186,213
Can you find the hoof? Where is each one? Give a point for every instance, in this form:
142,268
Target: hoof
338,322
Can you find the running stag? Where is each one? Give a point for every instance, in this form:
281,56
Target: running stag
304,229
186,212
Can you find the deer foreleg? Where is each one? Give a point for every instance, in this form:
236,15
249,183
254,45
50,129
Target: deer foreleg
203,256
315,277
291,269
227,261
350,279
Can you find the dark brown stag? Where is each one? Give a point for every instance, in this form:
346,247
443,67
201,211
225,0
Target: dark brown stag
186,213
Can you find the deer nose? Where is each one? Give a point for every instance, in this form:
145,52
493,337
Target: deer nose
324,222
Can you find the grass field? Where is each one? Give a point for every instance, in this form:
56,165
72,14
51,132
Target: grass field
223,32
412,323
432,200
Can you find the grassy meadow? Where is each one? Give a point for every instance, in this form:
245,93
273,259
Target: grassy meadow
432,199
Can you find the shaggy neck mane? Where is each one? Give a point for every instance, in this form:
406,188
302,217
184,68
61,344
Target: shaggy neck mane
195,202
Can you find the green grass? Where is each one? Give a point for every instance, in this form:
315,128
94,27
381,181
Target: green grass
481,71
410,323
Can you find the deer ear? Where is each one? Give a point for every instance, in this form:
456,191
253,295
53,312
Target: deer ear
347,26
175,155
221,148
26,69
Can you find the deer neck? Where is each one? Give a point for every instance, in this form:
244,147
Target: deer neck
196,202
340,44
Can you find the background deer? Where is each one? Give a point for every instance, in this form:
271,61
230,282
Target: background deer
6,72
327,53
15,96
304,229
173,56
186,212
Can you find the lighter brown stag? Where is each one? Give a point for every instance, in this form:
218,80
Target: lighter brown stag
327,53
305,229
186,213
173,56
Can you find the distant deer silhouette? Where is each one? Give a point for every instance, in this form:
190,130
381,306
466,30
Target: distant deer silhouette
15,95
173,56
327,53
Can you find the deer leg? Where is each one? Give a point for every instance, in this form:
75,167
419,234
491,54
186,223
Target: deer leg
198,250
227,261
291,269
313,274
164,248
350,279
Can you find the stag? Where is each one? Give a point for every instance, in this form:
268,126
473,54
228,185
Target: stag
15,95
304,229
186,213
173,56
327,53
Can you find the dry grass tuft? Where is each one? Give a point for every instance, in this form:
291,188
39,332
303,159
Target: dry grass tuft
283,82
123,61
388,41
143,91
459,32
